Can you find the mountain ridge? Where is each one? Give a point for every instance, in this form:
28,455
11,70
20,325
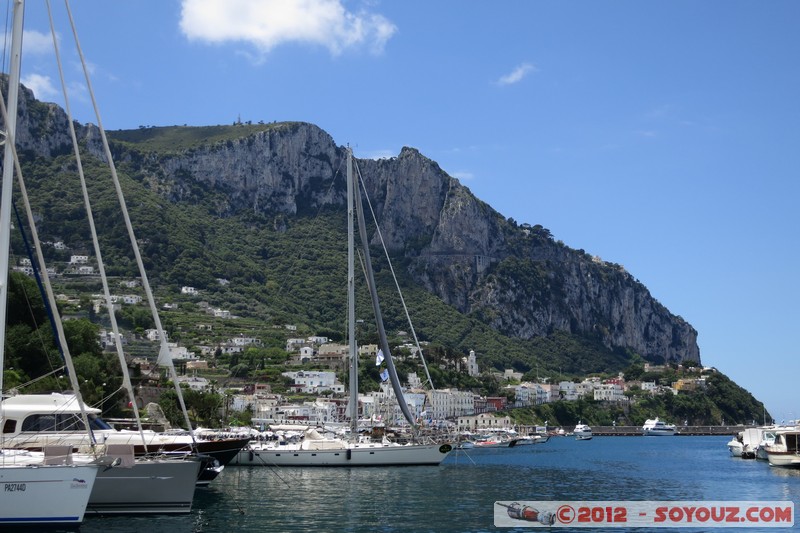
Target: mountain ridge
516,279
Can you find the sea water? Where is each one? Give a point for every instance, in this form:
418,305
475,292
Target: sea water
459,495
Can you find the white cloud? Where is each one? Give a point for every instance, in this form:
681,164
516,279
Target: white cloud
36,43
517,74
463,176
380,154
42,86
269,23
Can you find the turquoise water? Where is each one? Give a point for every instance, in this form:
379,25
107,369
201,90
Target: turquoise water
459,495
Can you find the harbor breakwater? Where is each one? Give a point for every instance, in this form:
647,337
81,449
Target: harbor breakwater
636,431
625,431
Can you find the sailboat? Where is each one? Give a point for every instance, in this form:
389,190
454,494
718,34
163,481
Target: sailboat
153,484
315,449
34,491
28,409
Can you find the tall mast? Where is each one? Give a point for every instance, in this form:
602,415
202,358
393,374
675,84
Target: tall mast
8,169
126,379
351,298
376,307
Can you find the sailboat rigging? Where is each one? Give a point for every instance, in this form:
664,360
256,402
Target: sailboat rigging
376,306
152,484
316,450
59,494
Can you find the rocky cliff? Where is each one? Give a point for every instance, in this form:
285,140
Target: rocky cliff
517,279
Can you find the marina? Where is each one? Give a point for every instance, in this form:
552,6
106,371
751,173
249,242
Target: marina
458,495
236,224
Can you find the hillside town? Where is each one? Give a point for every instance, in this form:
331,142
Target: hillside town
447,408
328,404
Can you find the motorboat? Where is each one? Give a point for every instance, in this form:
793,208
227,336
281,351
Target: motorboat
745,443
528,439
785,451
767,439
735,445
656,427
582,431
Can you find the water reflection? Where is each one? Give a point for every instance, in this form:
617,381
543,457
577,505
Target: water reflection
459,495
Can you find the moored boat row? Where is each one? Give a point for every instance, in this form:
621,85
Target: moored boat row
143,472
777,444
499,438
785,449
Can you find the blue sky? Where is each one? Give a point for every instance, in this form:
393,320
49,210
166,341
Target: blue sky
662,136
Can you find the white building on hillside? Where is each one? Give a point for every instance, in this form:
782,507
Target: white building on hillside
449,403
568,390
482,422
609,392
315,382
241,340
180,352
195,383
152,334
471,363
587,386
524,394
294,344
383,405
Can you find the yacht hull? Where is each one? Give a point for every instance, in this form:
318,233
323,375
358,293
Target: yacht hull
784,458
56,494
354,455
148,487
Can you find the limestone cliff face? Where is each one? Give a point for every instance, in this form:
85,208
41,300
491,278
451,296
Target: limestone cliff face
42,128
517,278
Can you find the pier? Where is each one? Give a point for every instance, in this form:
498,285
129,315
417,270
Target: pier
686,431
636,431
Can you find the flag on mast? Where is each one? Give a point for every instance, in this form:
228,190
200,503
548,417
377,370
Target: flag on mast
379,358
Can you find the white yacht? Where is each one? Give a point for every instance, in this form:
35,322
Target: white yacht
656,427
582,431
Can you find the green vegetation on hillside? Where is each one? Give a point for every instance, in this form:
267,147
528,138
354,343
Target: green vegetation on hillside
279,272
167,139
268,271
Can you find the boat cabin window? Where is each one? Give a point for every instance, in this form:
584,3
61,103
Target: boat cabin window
9,426
51,422
791,442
